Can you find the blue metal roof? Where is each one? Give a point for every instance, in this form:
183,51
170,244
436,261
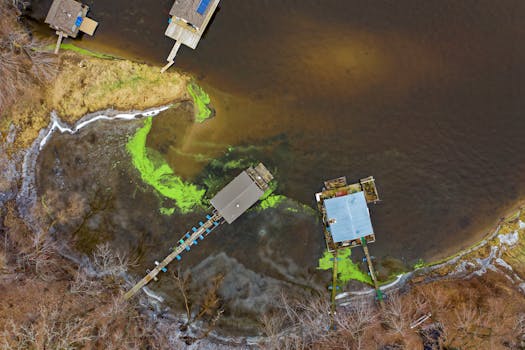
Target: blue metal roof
203,6
348,217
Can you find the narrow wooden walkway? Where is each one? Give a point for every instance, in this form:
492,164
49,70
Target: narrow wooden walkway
379,294
184,244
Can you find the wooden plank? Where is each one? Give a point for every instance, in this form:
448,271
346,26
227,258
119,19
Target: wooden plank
88,26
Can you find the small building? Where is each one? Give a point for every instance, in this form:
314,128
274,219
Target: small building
345,213
242,192
188,20
68,18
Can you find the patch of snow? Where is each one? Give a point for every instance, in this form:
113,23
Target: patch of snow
57,124
522,224
151,294
510,238
522,287
502,262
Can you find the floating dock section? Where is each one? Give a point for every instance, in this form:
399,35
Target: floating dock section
230,203
188,20
68,18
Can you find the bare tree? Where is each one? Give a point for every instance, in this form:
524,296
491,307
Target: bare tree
51,330
397,314
353,320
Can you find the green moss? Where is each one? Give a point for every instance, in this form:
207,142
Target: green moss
346,269
85,52
272,201
420,263
157,173
201,101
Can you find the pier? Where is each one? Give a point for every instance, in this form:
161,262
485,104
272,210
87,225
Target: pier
347,223
187,22
229,203
68,18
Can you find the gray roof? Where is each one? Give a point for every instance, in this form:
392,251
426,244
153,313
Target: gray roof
187,10
63,14
234,199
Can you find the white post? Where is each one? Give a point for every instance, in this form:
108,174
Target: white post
171,56
59,41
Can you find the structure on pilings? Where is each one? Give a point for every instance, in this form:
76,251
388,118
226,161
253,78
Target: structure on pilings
346,221
230,203
68,18
187,23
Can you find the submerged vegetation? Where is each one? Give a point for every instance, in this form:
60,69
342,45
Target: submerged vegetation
201,102
347,270
157,173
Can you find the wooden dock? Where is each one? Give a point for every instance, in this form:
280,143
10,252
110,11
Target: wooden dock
379,294
229,203
184,244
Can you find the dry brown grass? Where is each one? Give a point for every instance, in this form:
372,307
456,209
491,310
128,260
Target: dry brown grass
80,84
87,84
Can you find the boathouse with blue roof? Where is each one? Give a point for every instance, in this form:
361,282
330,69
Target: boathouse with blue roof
345,212
348,217
187,22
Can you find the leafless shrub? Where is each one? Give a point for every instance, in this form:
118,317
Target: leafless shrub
467,316
49,331
84,285
41,256
108,262
397,314
353,320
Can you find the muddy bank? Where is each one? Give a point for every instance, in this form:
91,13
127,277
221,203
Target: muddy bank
90,178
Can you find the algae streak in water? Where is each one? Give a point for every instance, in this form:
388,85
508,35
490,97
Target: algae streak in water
156,172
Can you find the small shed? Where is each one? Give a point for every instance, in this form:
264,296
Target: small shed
68,18
241,193
188,20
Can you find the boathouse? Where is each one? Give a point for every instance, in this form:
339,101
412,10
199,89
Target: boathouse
68,18
345,212
242,192
188,20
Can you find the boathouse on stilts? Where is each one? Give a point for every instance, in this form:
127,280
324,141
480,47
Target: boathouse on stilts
68,18
187,22
347,223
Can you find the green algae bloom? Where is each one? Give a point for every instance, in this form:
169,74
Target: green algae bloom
346,269
167,211
201,102
157,173
272,201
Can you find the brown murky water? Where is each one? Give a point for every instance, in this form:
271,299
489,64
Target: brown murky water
426,96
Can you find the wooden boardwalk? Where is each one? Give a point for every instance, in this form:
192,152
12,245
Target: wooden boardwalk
184,244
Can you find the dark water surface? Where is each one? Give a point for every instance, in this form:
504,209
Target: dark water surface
427,96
